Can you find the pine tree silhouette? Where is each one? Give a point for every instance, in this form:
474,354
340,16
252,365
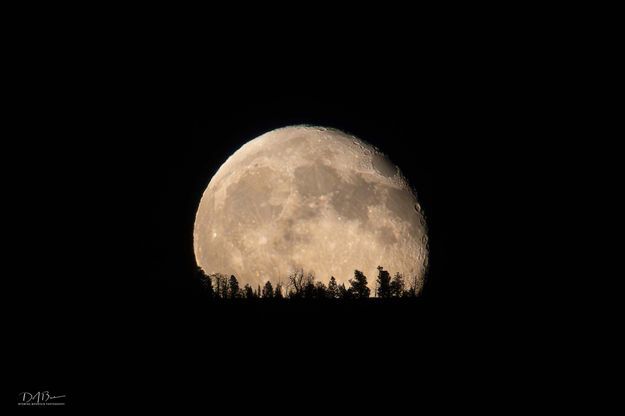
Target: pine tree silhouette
320,291
268,290
309,289
233,287
221,286
333,289
278,292
384,283
248,293
343,292
397,286
359,289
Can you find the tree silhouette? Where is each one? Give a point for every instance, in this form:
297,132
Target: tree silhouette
278,292
359,289
296,284
414,287
208,287
206,282
384,283
320,291
248,293
333,289
300,285
397,286
343,292
309,289
268,290
221,286
233,287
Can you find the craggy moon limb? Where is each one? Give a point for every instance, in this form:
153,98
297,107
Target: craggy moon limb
312,198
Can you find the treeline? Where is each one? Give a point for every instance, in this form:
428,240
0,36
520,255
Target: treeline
300,285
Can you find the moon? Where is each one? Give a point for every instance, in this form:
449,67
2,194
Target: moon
311,198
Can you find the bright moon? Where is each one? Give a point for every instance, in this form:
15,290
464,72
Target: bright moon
312,198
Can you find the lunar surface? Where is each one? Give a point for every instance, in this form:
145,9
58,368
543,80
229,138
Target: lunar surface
311,198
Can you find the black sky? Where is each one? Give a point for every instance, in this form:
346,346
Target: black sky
112,159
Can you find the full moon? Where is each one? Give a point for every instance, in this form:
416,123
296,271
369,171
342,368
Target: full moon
311,198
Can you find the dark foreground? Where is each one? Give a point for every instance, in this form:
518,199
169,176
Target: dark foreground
246,354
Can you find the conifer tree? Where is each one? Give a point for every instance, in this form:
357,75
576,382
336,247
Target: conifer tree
384,283
397,286
359,289
268,290
333,289
233,287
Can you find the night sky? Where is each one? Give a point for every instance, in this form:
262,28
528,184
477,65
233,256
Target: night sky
111,165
